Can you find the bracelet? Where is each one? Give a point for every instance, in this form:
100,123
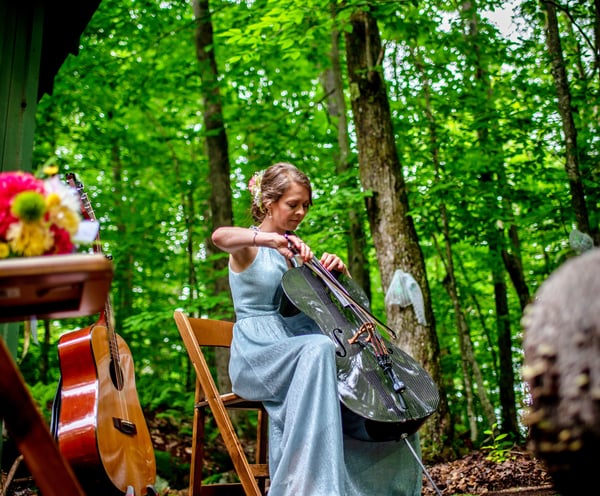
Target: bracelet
254,238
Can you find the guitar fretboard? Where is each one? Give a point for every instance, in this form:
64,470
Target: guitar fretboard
88,213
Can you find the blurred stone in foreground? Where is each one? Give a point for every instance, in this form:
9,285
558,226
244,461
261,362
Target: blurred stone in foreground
562,369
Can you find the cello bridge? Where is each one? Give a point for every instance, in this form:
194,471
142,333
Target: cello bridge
366,328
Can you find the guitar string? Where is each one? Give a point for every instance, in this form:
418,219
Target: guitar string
112,338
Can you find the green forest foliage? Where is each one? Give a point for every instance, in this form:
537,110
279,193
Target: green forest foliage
126,116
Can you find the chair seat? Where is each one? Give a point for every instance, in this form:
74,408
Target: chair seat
233,401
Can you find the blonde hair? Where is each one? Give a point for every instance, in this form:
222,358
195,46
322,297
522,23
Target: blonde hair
273,183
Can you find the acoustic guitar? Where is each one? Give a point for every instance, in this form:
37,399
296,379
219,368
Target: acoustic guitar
99,425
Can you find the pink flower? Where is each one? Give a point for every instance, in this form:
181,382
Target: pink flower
11,184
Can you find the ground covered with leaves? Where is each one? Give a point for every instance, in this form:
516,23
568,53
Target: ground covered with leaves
510,472
518,473
514,473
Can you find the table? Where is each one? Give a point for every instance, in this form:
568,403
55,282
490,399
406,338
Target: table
53,287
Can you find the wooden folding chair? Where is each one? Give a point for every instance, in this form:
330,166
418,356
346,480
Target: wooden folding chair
198,333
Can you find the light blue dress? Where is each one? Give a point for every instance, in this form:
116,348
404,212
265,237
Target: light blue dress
289,365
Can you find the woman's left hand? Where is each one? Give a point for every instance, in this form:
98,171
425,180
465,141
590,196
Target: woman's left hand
333,262
300,247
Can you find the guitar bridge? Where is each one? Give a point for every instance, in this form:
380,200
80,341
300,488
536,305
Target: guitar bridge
125,426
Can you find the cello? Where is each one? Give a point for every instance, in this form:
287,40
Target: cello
383,390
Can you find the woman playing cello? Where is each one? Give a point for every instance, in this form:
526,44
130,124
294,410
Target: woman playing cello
289,364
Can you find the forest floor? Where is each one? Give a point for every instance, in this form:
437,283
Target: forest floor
474,474
517,474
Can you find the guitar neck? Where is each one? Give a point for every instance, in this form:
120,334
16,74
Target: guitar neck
88,213
112,335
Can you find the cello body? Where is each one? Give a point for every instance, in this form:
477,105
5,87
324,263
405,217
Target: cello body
390,395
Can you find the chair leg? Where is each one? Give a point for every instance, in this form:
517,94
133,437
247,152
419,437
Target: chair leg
236,451
197,333
198,435
261,445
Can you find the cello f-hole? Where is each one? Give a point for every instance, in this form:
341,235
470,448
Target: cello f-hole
341,351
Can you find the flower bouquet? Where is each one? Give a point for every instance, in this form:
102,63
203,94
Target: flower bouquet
41,229
38,217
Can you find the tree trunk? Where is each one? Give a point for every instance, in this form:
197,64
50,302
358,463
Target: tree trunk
217,150
469,365
597,37
514,266
392,228
565,110
509,423
333,85
492,179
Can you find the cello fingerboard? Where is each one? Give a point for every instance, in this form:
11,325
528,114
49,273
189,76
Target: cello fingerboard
384,393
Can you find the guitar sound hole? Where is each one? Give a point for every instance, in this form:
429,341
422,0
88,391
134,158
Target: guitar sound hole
116,375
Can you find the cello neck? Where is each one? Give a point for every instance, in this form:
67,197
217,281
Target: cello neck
343,296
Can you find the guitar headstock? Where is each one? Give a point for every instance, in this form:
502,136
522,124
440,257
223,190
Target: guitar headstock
86,207
72,181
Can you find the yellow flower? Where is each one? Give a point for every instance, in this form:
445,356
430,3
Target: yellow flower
52,200
65,218
29,239
4,250
50,170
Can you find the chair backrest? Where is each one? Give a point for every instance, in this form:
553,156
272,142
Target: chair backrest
207,332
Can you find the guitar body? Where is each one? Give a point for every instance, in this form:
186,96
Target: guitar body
101,429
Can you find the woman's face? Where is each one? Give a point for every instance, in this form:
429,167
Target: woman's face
291,208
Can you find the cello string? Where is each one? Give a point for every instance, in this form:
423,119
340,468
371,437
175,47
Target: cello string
376,341
356,307
336,287
363,316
